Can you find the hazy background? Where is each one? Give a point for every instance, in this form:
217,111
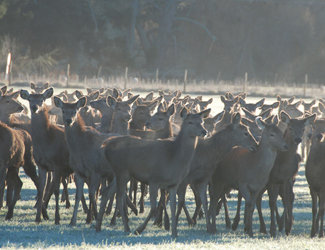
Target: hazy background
272,40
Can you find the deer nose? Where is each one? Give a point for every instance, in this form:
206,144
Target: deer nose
204,133
148,124
285,147
34,108
68,121
298,140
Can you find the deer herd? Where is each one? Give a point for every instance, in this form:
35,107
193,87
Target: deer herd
117,142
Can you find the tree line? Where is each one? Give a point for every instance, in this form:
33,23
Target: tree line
270,40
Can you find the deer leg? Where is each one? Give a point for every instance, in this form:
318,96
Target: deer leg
172,203
273,191
94,183
47,194
30,170
160,208
65,193
249,209
40,208
56,190
166,217
107,192
237,217
131,205
121,182
314,212
288,205
321,212
216,191
79,194
202,190
225,205
260,214
143,188
181,192
84,203
153,190
15,185
110,205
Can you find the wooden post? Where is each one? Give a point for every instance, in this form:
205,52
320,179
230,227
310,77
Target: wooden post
8,69
157,75
185,81
245,82
305,85
126,77
68,75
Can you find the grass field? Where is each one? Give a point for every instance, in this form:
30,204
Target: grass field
23,232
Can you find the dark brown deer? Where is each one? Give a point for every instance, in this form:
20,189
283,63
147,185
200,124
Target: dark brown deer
315,174
50,150
160,163
208,154
247,171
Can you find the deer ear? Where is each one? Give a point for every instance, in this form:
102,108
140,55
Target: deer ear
132,100
111,101
48,93
310,119
46,85
58,102
205,113
275,120
236,119
24,94
184,113
14,95
82,102
32,85
284,117
94,95
116,93
260,123
4,90
78,94
171,110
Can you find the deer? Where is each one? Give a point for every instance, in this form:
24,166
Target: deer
160,163
85,154
251,107
39,88
315,177
8,107
283,172
208,154
247,171
50,151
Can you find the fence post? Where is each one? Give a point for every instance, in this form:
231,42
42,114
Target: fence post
185,81
157,75
126,77
8,69
305,85
245,82
68,75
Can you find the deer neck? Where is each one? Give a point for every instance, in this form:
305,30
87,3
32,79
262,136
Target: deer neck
265,154
40,122
119,126
137,124
221,143
290,142
184,147
5,118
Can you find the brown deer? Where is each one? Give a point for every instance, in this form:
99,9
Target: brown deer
284,170
50,150
9,106
160,163
315,173
247,171
208,154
